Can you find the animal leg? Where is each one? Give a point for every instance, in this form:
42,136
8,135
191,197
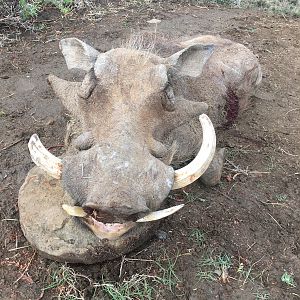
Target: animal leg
213,174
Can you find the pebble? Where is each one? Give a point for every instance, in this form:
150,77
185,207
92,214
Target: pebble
161,235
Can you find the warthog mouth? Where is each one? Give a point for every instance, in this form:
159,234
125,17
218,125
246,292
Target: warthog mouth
113,231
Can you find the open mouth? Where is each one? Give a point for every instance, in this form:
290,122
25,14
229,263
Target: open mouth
113,231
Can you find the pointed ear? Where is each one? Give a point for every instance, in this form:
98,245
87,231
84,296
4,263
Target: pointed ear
78,55
191,61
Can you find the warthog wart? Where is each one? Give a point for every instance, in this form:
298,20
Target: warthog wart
140,115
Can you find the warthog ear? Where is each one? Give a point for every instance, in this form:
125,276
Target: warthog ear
78,55
191,61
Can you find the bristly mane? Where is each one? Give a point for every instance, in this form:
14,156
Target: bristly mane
139,41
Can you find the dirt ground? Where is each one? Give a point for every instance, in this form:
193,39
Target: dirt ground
251,219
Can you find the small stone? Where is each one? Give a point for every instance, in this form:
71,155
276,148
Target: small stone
161,235
154,21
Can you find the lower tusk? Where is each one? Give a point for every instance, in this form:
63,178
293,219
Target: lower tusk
43,158
75,211
201,162
160,214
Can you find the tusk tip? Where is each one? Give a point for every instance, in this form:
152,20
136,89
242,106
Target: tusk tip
160,214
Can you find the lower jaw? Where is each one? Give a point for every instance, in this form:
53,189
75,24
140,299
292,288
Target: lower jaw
110,231
113,231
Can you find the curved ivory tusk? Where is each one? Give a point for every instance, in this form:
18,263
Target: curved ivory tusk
159,214
201,162
43,158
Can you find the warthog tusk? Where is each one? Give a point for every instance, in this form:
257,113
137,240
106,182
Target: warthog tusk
43,158
159,214
75,211
201,162
113,231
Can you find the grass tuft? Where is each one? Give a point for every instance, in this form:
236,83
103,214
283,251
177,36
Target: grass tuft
198,237
214,267
262,295
137,287
30,9
65,283
168,276
288,279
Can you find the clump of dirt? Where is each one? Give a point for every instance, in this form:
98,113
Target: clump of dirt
234,241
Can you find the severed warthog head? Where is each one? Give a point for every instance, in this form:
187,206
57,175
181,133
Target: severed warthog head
121,173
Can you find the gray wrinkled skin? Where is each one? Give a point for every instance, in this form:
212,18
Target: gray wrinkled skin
138,115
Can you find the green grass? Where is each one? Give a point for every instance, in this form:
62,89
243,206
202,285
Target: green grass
262,295
214,267
288,279
137,287
30,9
281,197
245,273
283,7
198,237
65,283
64,280
145,286
167,273
24,14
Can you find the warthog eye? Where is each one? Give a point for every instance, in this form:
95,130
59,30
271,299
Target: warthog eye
168,100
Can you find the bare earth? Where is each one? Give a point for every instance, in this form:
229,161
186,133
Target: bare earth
253,216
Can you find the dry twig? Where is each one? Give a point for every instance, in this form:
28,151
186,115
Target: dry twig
26,268
275,220
11,145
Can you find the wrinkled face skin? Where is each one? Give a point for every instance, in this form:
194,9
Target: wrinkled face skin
120,174
126,105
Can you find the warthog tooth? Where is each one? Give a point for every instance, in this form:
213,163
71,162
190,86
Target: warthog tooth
201,162
43,158
160,214
75,211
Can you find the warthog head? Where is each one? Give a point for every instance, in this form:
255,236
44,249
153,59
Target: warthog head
121,173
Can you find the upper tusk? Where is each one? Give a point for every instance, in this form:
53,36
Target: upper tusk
159,214
43,158
201,162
